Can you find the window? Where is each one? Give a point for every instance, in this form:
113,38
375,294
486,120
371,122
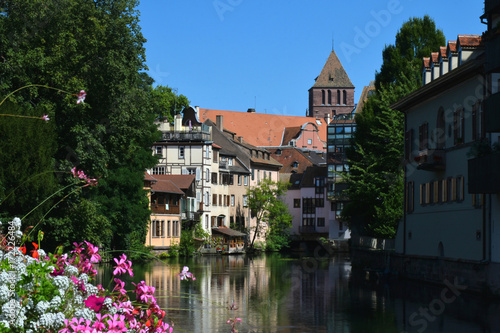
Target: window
321,222
344,99
220,199
158,150
214,178
458,126
239,179
409,144
437,191
207,175
168,229
160,170
296,203
460,188
216,156
207,151
444,187
329,97
158,228
308,206
230,161
232,200
214,199
322,97
309,141
453,189
338,209
423,136
338,97
207,198
319,202
245,181
181,152
308,221
477,121
477,200
341,225
409,196
440,131
175,228
245,200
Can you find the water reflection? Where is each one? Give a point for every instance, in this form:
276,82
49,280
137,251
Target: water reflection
278,293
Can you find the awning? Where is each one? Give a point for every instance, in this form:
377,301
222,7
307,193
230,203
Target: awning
228,232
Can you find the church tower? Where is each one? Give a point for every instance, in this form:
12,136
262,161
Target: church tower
333,92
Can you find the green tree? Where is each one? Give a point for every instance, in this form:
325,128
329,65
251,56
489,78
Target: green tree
166,102
264,201
417,38
96,46
375,175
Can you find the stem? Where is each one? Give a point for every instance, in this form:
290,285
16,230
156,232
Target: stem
33,85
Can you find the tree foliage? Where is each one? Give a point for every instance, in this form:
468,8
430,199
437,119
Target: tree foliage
96,46
264,201
375,175
417,38
166,103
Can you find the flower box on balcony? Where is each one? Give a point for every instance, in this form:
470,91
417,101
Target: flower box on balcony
431,159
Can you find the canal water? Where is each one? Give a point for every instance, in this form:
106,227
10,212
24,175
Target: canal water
285,293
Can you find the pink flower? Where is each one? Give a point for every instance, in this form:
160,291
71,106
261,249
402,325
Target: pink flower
94,302
45,117
92,251
144,293
123,266
185,274
81,97
120,286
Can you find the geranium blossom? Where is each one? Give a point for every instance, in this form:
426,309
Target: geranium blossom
81,97
186,274
45,117
123,266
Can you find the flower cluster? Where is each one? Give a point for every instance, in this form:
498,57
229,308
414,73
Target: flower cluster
186,274
42,292
81,175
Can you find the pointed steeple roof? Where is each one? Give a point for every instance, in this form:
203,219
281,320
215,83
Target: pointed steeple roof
333,75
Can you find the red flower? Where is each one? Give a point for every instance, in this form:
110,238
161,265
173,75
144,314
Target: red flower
94,302
34,253
23,249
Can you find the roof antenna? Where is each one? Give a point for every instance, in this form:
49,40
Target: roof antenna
332,41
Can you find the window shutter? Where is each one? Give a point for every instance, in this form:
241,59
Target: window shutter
184,171
198,174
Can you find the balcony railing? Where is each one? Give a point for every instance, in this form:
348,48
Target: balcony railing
307,229
186,136
483,174
492,113
431,159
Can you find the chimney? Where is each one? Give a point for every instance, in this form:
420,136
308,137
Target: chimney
197,109
251,110
240,139
219,123
177,123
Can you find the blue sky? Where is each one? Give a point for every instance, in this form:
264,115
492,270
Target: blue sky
240,54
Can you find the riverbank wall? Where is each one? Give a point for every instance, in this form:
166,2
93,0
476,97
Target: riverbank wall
379,258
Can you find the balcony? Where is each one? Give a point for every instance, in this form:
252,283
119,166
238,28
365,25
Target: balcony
431,160
307,229
483,174
195,135
492,113
223,165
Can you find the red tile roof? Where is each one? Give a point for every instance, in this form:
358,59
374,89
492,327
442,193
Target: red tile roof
181,181
261,129
435,57
427,62
290,133
469,41
452,46
442,52
166,186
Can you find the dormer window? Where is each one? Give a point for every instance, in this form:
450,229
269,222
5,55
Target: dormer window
278,152
295,164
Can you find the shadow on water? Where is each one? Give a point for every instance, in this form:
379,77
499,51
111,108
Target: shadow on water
306,292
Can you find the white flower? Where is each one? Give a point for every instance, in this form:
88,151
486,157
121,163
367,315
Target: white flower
51,320
55,302
18,234
42,306
84,277
42,253
78,300
4,293
16,223
61,282
71,270
85,313
91,289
